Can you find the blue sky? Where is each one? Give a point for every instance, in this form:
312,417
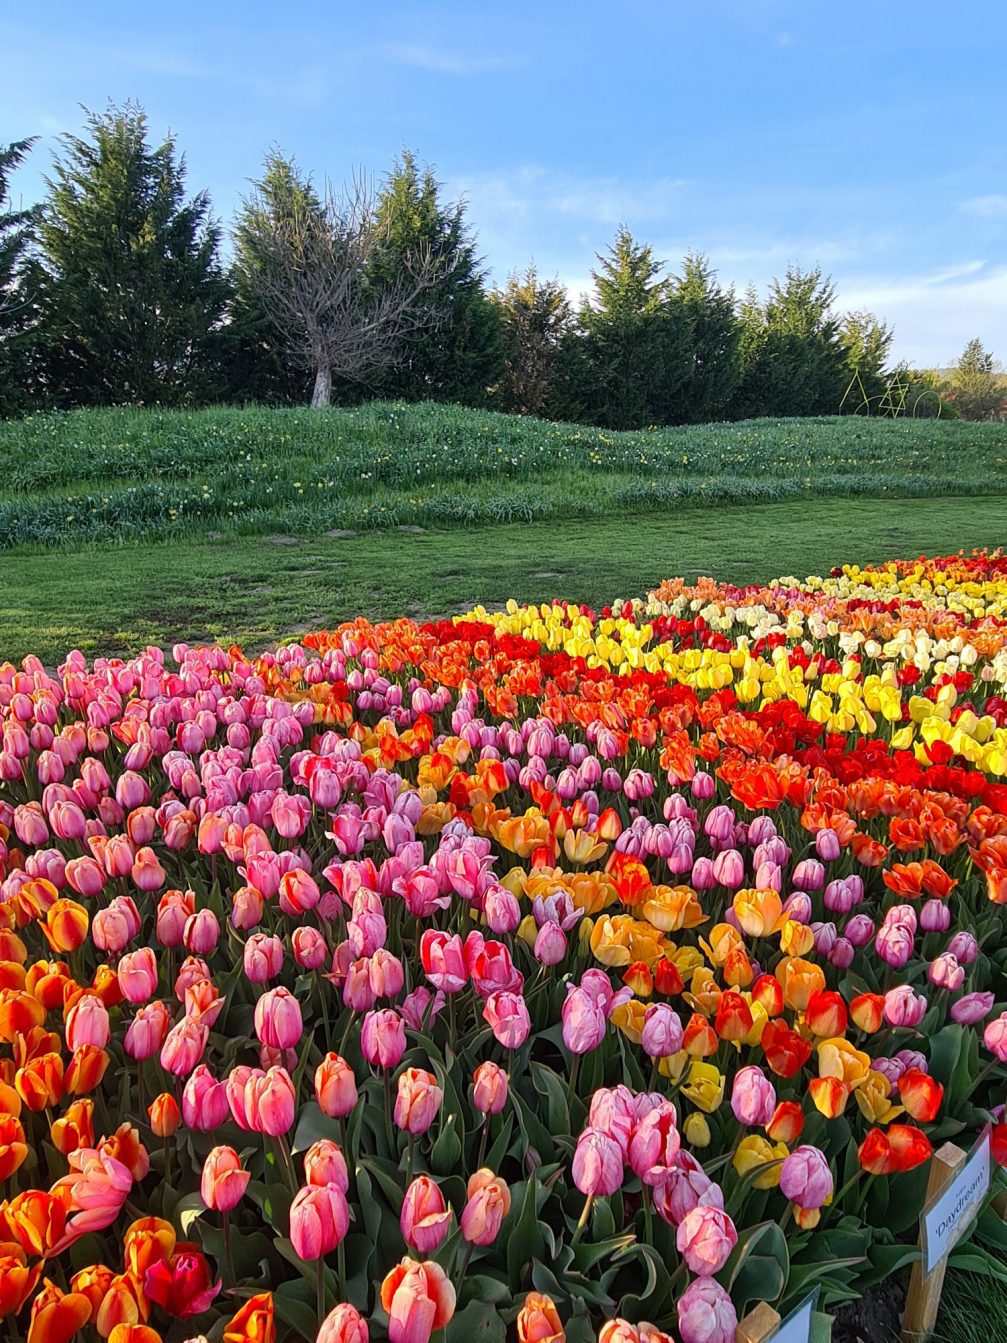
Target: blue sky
867,135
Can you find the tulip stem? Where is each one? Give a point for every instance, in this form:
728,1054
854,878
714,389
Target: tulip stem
469,1247
320,1282
482,1142
585,1213
575,1073
410,1144
228,1261
288,1161
341,1269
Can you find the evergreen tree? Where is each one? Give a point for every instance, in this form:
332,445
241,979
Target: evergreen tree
977,387
637,339
260,366
792,357
131,285
865,341
16,305
714,335
536,320
460,356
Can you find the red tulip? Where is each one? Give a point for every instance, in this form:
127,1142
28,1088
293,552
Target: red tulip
181,1284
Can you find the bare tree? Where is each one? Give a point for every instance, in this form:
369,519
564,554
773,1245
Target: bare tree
315,281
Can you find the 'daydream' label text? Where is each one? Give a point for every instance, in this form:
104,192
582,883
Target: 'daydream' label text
955,1207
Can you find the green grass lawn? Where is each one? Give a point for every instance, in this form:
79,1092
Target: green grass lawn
254,589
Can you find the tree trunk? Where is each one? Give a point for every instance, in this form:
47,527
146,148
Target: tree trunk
322,395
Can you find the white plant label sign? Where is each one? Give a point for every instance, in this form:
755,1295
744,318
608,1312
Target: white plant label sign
796,1328
952,1211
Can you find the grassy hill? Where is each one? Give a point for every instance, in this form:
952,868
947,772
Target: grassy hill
116,475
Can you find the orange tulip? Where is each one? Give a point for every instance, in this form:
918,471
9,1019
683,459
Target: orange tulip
538,1320
75,1128
787,1123
148,1240
134,1333
49,981
801,980
17,1280
826,1014
700,1039
19,1012
921,1094
255,1322
40,1082
829,1095
125,1146
38,1220
768,991
66,925
734,1017
123,1303
165,1116
868,1011
13,1148
85,1069
57,1316
93,1282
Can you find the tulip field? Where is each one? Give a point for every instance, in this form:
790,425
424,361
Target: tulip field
539,973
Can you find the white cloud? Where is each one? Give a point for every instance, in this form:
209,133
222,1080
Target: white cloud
935,315
445,62
531,191
987,207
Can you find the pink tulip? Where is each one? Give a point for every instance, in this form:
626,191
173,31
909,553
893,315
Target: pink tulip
87,1023
705,1313
903,1007
147,872
335,1086
489,1093
184,1047
753,1097
488,1203
443,960
204,1101
806,1178
147,1031
343,1325
383,1038
201,932
85,876
324,1163
971,1008
417,1102
584,1021
705,1239
425,1218
223,1181
278,1021
262,958
506,1014
654,1144
597,1163
319,1221
418,1299
309,947
662,1031
995,1037
137,975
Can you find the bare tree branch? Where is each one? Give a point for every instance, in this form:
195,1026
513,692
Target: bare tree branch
316,283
